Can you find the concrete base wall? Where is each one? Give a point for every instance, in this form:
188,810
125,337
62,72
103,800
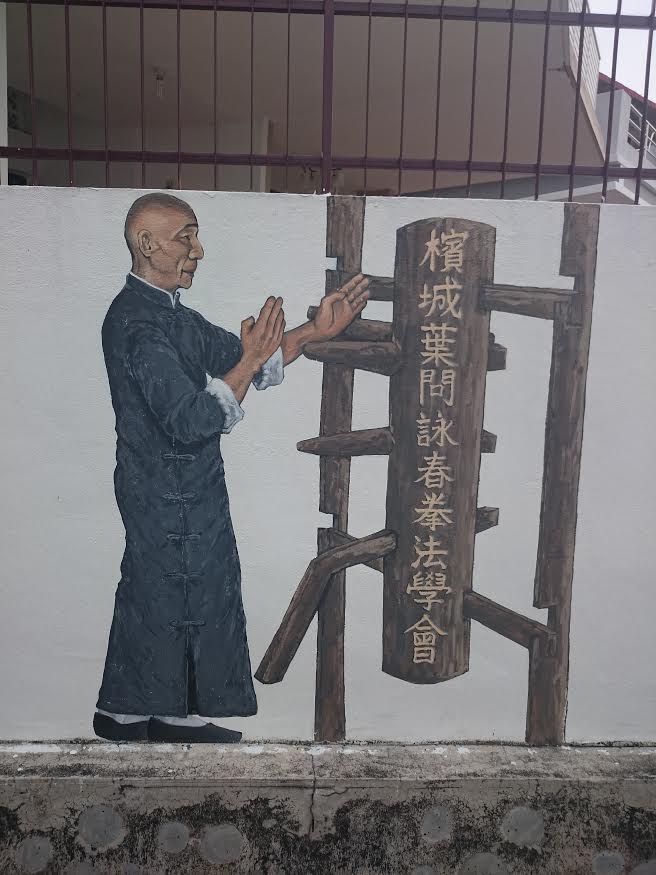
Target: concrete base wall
104,808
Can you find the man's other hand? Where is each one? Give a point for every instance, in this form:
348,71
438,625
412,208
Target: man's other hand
337,310
261,337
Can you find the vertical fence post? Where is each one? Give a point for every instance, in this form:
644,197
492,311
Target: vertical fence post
30,63
69,92
645,104
142,86
105,91
327,100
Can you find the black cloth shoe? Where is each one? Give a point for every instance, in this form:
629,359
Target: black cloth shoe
110,729
158,730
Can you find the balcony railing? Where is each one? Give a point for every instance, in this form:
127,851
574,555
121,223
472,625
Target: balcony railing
635,133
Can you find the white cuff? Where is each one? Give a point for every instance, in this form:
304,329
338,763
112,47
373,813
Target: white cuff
230,407
271,373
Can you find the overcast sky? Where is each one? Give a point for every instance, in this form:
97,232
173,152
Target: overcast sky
632,53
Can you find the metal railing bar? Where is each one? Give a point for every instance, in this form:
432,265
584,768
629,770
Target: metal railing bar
178,68
383,10
635,129
438,98
30,64
506,124
105,93
252,91
641,152
215,90
611,104
403,79
288,85
490,166
472,113
69,92
367,101
350,161
327,95
543,94
142,90
577,99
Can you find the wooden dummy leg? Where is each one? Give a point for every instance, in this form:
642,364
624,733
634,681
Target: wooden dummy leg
309,592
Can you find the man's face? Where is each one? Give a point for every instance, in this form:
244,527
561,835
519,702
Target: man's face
175,248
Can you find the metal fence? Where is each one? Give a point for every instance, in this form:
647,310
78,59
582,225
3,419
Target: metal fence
577,21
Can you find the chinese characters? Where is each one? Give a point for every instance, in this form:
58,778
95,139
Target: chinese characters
440,307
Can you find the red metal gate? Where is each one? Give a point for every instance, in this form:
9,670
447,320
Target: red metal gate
326,159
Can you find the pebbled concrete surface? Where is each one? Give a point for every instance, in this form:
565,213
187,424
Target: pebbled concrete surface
275,808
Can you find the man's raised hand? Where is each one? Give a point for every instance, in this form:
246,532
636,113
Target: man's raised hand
338,309
261,337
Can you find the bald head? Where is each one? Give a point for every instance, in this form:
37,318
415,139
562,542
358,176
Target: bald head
149,209
161,232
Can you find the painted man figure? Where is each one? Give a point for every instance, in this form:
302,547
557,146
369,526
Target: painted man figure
177,650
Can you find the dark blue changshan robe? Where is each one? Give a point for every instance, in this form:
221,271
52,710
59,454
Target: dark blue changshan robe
177,644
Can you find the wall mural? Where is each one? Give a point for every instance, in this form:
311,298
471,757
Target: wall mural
177,648
178,656
436,351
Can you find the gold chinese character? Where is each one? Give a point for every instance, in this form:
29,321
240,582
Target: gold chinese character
436,473
429,585
449,246
437,342
444,387
429,553
433,514
424,639
442,298
427,433
453,250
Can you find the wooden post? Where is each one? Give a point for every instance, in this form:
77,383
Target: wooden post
549,661
436,418
345,231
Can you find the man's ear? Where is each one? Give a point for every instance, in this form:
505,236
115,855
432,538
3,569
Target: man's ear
146,244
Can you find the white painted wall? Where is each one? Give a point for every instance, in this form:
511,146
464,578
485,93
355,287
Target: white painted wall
64,261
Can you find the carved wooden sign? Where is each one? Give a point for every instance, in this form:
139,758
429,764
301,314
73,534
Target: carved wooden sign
436,418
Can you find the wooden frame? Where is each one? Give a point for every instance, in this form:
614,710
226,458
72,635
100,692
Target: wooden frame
377,346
